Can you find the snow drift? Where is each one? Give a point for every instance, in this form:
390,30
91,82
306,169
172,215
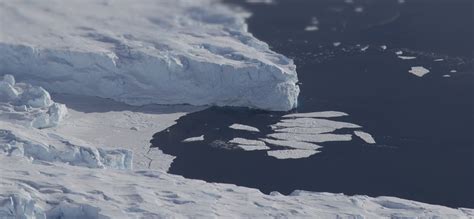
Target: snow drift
166,52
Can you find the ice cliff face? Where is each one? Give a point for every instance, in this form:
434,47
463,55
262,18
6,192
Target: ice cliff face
30,105
165,52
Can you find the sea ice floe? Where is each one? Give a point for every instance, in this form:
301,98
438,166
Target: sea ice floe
438,60
324,114
194,139
365,136
244,127
244,141
293,144
315,138
419,71
301,132
399,52
314,123
407,57
291,154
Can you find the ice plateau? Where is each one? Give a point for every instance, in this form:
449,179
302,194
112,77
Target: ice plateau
167,52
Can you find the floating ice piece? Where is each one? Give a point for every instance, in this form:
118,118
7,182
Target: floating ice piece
194,139
302,130
315,138
291,154
446,76
359,9
170,52
399,52
244,128
244,141
453,71
401,1
363,49
419,71
407,57
365,136
293,144
336,44
383,47
438,60
267,2
315,123
323,114
311,28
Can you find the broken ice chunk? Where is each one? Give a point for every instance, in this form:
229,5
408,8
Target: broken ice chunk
419,71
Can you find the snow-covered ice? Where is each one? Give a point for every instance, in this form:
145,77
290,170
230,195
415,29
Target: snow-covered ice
419,71
167,52
29,105
93,160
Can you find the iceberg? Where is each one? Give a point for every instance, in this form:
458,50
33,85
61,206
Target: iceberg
165,52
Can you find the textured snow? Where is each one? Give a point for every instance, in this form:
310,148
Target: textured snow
29,105
244,128
168,52
419,71
50,190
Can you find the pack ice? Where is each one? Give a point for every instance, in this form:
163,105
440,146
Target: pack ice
149,51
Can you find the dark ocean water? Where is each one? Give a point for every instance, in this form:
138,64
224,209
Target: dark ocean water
424,127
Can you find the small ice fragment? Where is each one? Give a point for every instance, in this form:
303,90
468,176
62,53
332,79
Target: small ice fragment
291,154
401,1
407,57
453,71
365,136
363,49
349,1
384,47
446,76
267,2
419,71
244,127
359,9
399,52
311,28
438,60
336,44
194,139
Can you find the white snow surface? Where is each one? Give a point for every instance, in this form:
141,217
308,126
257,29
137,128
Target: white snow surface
147,51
